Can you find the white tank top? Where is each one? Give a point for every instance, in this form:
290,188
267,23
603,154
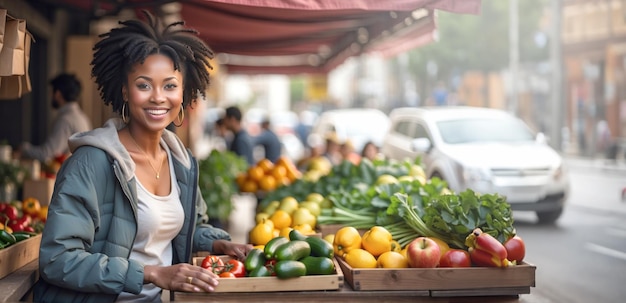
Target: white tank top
159,220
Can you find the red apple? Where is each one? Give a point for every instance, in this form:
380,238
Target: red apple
423,253
515,249
455,258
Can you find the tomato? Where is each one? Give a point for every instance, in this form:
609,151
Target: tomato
455,258
227,274
213,263
269,264
515,249
236,267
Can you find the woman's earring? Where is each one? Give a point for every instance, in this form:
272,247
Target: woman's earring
124,117
181,117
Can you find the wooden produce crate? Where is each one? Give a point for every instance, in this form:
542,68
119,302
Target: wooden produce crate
273,284
19,254
444,282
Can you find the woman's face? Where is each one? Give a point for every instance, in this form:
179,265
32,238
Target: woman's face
154,92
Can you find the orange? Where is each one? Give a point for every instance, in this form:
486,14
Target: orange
255,173
281,219
279,172
267,183
241,179
249,186
266,165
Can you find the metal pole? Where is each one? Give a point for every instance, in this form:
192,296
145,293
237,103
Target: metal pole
514,53
557,104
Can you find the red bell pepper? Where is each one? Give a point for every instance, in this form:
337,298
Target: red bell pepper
486,250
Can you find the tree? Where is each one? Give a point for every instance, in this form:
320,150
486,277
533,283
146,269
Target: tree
480,42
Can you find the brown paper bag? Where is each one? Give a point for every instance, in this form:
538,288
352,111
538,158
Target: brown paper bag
11,88
12,53
3,17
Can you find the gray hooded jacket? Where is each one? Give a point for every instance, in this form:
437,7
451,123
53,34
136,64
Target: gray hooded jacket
92,224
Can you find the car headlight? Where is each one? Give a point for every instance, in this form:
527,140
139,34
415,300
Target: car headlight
475,174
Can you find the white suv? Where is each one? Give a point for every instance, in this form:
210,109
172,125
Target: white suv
486,150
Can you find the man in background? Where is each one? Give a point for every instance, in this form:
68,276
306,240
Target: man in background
241,143
70,119
272,146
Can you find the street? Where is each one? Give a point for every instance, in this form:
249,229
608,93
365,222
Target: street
583,257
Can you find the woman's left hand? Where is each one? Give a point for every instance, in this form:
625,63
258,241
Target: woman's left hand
236,250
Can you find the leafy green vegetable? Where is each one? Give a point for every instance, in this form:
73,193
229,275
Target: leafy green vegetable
218,173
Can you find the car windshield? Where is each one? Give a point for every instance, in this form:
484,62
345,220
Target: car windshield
484,130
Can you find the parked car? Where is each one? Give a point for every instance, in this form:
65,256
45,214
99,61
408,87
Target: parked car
360,125
486,150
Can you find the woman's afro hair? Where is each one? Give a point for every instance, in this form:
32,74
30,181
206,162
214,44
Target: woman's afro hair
123,47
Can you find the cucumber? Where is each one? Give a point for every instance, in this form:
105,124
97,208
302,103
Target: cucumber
296,235
289,269
260,271
292,250
318,265
320,247
254,259
270,247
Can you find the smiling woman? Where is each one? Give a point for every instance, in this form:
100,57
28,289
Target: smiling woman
128,201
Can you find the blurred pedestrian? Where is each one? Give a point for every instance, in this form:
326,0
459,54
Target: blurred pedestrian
70,119
347,152
241,143
332,149
272,146
370,151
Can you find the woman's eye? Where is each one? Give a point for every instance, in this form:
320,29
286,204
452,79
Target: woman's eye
171,86
143,86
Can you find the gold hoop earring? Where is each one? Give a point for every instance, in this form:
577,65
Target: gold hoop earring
124,117
181,117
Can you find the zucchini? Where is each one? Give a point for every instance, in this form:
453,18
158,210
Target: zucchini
292,250
320,247
289,269
296,235
270,247
254,259
318,265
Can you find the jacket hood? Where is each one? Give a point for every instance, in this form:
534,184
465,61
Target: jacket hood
107,139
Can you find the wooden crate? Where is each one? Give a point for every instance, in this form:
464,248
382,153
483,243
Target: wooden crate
273,284
471,281
19,254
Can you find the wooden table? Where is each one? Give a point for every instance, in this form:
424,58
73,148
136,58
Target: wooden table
345,295
16,286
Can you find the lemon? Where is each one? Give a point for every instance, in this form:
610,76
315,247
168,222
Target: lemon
386,179
443,246
360,258
330,238
392,259
315,197
259,217
289,204
281,219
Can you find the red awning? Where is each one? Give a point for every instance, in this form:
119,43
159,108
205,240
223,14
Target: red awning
302,36
312,36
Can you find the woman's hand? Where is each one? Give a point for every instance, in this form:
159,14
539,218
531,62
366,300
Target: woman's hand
181,277
235,250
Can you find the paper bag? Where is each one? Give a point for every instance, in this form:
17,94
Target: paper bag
11,88
3,17
12,53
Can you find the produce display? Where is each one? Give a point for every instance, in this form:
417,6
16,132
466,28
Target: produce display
267,176
20,220
283,257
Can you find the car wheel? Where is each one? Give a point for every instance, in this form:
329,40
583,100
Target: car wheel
549,217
